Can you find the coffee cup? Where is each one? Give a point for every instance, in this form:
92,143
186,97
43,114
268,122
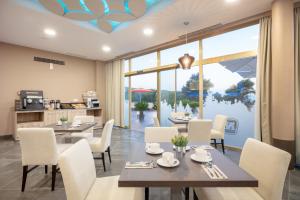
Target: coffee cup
168,157
153,147
59,123
201,153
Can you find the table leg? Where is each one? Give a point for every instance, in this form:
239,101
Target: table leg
187,193
146,193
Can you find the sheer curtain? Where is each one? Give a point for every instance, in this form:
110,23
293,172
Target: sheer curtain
263,83
114,92
297,82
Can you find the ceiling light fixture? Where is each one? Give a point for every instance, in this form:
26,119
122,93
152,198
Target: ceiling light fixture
186,60
50,32
106,48
148,31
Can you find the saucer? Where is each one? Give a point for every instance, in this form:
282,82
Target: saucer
162,163
203,160
159,151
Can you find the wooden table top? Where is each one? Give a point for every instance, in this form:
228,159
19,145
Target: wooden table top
67,128
188,174
178,121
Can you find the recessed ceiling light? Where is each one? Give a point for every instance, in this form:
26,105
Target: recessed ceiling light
50,32
106,48
148,31
230,1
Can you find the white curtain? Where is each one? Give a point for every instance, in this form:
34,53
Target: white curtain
263,83
297,82
114,92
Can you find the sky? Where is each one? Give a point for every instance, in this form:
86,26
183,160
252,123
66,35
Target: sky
232,42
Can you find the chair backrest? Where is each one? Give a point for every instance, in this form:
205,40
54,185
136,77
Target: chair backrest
160,134
177,114
199,130
38,146
220,123
78,170
106,135
156,122
267,164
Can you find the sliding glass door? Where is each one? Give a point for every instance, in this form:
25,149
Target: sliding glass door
143,103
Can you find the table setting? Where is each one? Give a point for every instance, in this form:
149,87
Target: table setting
180,152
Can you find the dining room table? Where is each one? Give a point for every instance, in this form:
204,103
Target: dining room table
188,174
69,128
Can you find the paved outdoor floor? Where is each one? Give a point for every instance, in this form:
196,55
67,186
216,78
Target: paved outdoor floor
38,184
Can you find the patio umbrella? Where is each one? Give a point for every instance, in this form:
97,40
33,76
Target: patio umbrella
141,91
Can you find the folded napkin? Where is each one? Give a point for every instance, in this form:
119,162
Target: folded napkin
138,165
205,147
214,172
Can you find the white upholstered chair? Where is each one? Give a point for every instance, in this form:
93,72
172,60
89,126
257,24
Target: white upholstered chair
38,147
181,127
79,176
199,130
266,163
156,121
100,145
218,130
88,134
160,134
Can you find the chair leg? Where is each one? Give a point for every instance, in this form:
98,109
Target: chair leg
53,177
146,193
108,150
222,141
46,169
215,141
103,160
25,171
195,195
187,193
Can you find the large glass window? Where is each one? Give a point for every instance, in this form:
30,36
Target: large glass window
232,93
187,91
170,56
245,39
167,96
144,62
144,107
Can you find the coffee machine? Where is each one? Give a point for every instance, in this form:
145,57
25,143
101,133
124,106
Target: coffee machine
32,99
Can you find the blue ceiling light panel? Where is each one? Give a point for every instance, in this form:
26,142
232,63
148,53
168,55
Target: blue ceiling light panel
105,14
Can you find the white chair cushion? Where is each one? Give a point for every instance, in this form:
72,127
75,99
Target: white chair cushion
86,135
214,134
95,144
227,194
107,189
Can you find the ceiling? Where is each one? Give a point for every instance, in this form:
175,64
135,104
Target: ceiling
22,22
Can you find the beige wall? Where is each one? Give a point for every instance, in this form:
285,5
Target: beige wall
19,71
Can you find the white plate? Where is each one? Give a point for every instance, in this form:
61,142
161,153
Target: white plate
160,151
203,160
187,148
164,164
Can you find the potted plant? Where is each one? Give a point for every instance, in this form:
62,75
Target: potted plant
141,107
64,120
180,143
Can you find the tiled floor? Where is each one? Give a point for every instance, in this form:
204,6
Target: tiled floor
38,184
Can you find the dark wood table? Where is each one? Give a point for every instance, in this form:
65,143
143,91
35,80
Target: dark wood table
67,128
188,174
